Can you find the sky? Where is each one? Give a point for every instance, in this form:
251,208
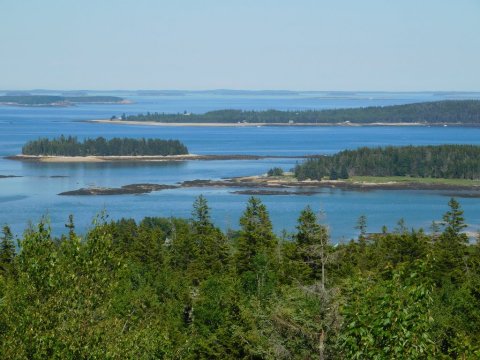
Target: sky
345,45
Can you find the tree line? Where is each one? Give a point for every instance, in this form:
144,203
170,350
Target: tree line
169,288
436,112
70,146
442,161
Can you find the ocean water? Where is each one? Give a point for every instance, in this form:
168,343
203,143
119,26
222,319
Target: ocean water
27,198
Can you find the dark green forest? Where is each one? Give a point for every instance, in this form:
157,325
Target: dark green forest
38,100
442,161
169,288
438,112
70,146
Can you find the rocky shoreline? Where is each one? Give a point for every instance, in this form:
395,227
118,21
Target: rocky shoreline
261,185
124,190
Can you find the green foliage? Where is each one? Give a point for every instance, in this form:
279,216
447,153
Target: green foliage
275,171
450,111
388,318
167,288
7,249
442,161
255,257
70,146
313,247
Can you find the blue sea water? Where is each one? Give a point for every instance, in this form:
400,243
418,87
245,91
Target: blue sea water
29,197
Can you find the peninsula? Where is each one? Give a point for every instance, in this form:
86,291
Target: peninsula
454,112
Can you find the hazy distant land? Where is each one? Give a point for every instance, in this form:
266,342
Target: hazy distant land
54,100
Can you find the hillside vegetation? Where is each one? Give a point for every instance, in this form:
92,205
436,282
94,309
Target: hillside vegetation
442,161
183,289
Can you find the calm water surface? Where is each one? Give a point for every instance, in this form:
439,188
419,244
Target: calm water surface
34,194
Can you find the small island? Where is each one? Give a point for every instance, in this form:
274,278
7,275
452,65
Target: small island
454,112
58,101
70,146
441,167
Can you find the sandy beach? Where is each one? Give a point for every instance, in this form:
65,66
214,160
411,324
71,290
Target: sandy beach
137,158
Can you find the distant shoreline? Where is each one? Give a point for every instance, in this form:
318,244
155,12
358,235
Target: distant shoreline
344,124
141,158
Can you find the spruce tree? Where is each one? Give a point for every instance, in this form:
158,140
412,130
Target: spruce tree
313,244
7,248
209,246
451,244
255,257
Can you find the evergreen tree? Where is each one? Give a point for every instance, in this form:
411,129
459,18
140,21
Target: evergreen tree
454,221
362,227
255,257
71,227
451,244
333,174
7,249
313,245
209,245
343,172
201,214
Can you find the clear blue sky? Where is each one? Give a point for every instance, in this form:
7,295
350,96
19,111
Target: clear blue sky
244,44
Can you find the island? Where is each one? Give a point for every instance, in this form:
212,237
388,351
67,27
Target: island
454,112
450,162
58,101
70,146
440,167
455,168
70,149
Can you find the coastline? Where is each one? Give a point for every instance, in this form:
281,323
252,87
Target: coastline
262,181
139,158
263,185
155,123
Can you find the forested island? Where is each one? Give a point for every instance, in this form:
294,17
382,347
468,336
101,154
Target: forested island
442,161
54,100
171,288
70,146
466,112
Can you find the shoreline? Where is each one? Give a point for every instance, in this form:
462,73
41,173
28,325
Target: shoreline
143,158
350,124
261,181
262,185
